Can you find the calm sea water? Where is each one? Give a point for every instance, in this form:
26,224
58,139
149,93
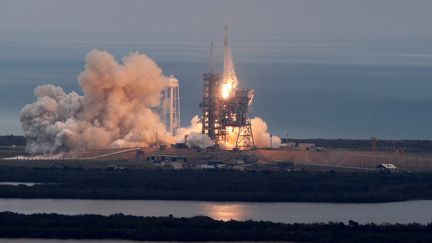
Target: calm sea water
25,240
397,212
308,86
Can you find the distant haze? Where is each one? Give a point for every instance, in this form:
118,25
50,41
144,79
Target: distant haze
206,16
335,69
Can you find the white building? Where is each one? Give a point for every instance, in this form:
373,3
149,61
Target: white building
387,168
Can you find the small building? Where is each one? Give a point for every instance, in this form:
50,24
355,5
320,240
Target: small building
181,145
115,167
285,166
213,165
306,146
165,158
387,168
286,144
173,165
207,167
239,167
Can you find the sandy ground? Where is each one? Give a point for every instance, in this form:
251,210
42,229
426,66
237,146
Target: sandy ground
327,159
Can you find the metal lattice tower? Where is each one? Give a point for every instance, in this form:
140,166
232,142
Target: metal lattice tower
171,105
211,107
244,136
235,114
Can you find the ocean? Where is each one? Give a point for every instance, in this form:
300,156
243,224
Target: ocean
306,86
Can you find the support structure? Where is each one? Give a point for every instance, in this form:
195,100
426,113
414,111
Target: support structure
211,107
235,114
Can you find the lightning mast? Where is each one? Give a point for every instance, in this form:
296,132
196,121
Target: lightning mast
210,105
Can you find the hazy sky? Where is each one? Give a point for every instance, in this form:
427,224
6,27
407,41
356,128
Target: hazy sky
327,84
201,16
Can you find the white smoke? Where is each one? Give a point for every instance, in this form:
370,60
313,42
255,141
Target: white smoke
116,109
262,136
193,135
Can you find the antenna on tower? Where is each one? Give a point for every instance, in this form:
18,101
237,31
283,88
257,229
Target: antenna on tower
211,58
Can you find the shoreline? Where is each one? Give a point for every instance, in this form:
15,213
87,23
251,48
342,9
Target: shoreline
200,228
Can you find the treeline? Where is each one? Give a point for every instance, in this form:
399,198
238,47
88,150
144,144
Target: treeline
200,228
355,144
365,144
215,185
9,140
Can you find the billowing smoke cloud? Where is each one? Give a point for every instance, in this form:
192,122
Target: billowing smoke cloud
193,135
116,109
196,138
260,134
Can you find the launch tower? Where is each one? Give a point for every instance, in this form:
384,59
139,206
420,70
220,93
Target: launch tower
224,108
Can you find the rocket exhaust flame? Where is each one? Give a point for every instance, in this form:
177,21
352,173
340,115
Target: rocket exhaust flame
227,89
229,83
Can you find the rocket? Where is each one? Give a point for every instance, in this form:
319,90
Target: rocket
229,75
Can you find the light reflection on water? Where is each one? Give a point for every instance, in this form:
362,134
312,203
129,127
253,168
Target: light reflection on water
225,211
13,183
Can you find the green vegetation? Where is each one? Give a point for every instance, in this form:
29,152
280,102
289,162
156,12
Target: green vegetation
365,144
9,140
120,226
215,185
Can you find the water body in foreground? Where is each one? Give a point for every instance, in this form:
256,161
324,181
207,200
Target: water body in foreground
13,183
92,241
68,241
396,212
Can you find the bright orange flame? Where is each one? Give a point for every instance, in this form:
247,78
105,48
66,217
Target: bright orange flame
230,130
231,138
227,89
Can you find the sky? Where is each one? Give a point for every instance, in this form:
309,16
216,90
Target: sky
204,16
334,68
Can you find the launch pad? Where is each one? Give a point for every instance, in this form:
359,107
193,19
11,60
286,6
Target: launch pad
225,110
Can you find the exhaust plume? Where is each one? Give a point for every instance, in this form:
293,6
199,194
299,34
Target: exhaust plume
260,134
229,76
116,109
192,135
